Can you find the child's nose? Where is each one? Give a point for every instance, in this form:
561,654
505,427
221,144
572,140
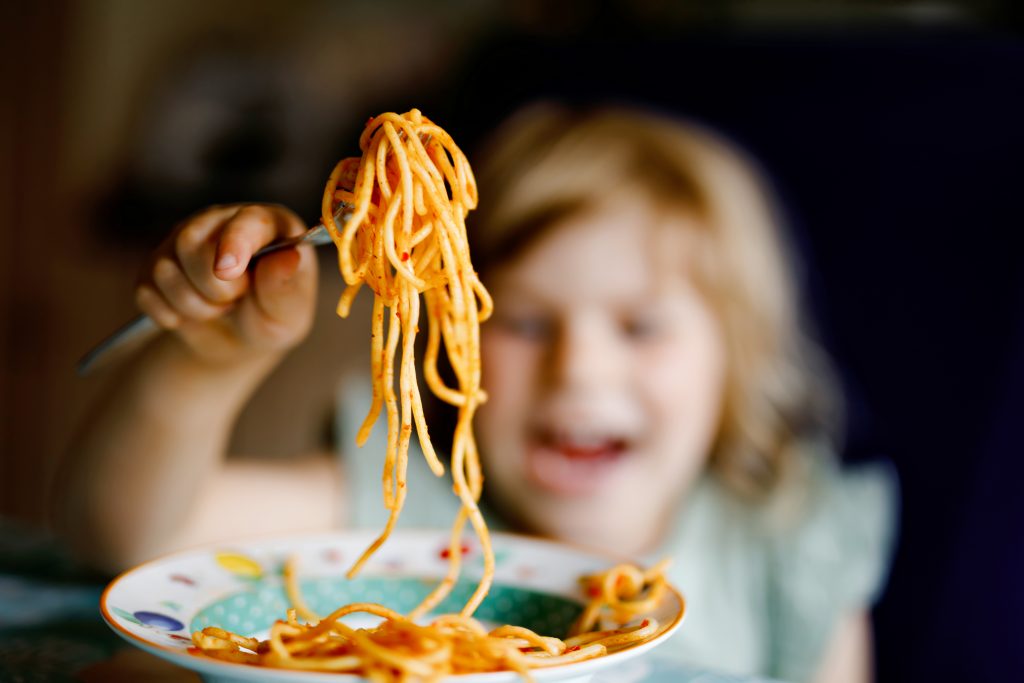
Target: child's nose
584,354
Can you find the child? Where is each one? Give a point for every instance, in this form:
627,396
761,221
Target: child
650,393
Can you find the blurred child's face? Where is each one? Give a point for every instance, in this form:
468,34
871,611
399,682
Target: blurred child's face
604,368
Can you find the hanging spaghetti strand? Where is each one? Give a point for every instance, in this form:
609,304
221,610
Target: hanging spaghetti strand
411,191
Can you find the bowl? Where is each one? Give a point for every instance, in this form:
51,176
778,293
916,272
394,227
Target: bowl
239,587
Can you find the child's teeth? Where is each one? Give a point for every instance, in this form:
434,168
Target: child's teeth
581,441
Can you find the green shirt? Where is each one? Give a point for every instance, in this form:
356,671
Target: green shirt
765,584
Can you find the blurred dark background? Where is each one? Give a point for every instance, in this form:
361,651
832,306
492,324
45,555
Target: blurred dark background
892,130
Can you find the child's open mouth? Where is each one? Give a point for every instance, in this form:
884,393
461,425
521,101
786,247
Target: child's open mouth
573,463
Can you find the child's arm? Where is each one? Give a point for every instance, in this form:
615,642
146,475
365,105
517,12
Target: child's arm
150,457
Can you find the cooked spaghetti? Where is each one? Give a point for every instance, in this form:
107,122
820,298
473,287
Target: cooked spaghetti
618,596
398,649
409,194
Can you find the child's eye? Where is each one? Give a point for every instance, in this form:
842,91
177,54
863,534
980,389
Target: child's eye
530,327
640,328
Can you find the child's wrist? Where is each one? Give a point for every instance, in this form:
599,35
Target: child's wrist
191,391
240,359
244,367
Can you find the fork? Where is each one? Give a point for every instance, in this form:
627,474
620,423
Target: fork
143,327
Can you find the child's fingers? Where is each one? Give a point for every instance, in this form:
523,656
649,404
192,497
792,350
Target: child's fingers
196,253
199,275
178,292
199,227
249,229
153,304
275,284
194,244
284,288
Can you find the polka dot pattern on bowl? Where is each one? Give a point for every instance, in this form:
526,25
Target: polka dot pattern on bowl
253,610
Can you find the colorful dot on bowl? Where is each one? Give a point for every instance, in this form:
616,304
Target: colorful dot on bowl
157,620
126,615
240,565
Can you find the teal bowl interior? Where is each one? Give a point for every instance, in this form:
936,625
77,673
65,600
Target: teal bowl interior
254,610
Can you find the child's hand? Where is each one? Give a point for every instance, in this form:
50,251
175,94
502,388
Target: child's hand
198,285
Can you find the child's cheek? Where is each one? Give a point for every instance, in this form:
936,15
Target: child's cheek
683,377
510,368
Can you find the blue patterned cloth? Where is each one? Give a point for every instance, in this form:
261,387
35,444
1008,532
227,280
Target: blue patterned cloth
50,626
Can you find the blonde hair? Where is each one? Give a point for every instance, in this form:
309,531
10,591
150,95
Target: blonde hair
549,162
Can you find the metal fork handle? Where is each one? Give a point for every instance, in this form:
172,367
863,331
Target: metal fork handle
143,327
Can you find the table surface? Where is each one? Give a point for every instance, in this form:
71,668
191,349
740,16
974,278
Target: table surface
51,630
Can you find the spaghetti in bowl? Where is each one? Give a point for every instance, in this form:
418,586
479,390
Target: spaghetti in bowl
240,588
